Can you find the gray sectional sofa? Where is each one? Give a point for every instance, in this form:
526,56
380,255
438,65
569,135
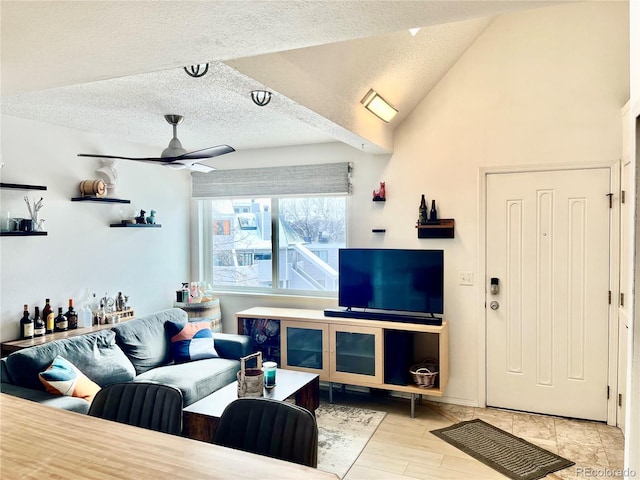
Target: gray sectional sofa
136,350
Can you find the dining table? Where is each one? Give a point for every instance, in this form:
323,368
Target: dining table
43,442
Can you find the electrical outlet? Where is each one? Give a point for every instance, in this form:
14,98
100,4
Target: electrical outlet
466,278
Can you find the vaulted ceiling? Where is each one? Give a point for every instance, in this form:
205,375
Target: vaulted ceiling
115,68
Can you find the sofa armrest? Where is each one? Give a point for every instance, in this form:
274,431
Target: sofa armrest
232,346
72,404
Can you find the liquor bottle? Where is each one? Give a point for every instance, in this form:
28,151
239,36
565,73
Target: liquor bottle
433,213
119,302
26,324
38,324
61,321
102,315
422,211
72,316
48,317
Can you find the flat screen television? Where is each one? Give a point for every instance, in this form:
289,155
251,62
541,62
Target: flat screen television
392,279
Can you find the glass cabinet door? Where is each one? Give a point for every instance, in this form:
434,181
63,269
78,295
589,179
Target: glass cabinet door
304,346
356,353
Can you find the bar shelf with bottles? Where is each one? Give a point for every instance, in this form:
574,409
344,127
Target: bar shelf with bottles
15,345
430,226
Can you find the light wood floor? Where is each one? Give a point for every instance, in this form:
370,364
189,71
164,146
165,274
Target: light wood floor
402,448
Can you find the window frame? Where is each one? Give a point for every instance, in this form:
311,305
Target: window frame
204,262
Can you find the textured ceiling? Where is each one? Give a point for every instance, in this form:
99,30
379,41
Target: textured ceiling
114,68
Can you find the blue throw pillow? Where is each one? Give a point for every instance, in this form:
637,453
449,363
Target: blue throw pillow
190,341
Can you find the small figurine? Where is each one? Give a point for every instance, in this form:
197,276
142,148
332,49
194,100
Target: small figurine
140,218
380,193
151,219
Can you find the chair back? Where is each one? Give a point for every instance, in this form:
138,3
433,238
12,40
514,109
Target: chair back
143,404
271,428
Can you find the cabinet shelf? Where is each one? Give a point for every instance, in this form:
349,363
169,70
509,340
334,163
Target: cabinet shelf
22,186
135,225
100,200
443,228
23,234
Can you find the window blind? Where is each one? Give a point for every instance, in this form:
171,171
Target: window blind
325,178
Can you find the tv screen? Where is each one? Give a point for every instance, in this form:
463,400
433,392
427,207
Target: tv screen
391,279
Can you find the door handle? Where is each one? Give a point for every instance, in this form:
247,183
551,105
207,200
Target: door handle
494,305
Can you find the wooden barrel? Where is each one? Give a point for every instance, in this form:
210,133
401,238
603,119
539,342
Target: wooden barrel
93,188
204,312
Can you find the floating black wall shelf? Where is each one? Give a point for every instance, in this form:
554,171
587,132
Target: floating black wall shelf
443,228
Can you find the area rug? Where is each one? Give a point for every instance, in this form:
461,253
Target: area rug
510,455
343,432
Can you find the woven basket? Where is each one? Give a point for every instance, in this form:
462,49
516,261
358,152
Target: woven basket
425,374
250,380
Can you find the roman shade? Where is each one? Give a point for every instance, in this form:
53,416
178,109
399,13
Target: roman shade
318,179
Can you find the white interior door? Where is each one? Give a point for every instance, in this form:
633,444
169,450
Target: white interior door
625,294
548,244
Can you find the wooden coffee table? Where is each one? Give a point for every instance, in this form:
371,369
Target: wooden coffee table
200,419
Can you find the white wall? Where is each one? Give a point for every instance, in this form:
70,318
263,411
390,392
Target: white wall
538,87
81,251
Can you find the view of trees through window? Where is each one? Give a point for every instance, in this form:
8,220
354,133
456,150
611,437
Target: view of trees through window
310,231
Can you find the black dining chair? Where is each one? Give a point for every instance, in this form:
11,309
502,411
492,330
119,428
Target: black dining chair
271,428
149,405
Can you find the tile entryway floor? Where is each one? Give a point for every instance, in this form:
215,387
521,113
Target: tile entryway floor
403,448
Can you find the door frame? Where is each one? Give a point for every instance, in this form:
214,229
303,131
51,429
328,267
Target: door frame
614,280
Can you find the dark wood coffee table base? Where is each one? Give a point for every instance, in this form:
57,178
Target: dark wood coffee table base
200,419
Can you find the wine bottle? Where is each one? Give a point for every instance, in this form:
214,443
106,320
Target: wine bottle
26,324
433,213
72,316
48,317
61,321
38,324
422,211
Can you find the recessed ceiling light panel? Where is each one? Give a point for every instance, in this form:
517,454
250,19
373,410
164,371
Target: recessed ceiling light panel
377,105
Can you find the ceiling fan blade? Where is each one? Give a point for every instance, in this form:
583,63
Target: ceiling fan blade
207,153
117,157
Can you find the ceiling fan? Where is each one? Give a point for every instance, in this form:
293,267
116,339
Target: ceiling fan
175,156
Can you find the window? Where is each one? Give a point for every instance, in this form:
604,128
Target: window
284,239
240,252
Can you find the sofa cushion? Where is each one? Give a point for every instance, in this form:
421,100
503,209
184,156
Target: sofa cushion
63,378
190,341
145,341
96,353
196,379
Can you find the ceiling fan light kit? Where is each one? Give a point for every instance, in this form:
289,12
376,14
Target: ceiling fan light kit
261,97
197,71
175,156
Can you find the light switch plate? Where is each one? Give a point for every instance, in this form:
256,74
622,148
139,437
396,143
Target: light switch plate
466,278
